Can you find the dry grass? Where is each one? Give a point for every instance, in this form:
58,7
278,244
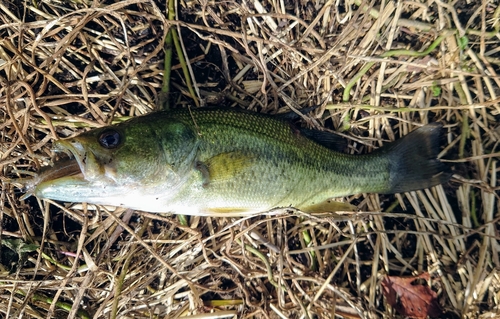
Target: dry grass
377,72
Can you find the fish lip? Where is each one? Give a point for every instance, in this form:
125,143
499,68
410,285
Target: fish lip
75,151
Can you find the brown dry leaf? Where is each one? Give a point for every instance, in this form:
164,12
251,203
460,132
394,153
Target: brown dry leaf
409,299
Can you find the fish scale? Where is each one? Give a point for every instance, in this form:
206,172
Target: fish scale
228,162
286,158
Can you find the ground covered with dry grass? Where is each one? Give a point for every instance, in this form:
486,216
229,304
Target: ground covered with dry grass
377,72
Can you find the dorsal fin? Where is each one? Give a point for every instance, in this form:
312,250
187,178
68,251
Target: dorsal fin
326,139
292,116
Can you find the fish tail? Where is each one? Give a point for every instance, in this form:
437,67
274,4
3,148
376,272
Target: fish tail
413,161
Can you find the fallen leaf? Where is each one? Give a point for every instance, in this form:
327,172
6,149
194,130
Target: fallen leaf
409,298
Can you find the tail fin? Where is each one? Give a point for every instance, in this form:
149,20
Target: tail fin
413,161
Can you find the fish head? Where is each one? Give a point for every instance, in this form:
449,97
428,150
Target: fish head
135,158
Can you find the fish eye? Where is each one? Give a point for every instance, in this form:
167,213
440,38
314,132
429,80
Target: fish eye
109,139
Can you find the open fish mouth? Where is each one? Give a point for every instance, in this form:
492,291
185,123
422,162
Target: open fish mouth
84,162
64,168
73,165
71,155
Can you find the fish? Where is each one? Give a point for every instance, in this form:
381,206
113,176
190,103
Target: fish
229,162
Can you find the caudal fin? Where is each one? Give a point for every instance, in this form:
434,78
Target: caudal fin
413,161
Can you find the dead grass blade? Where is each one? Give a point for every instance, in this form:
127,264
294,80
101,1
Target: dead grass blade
377,72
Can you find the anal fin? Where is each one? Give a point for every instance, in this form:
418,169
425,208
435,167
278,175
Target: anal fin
328,206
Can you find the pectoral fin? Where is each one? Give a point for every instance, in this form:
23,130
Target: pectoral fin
224,166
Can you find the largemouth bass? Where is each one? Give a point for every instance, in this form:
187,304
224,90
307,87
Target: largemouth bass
217,162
